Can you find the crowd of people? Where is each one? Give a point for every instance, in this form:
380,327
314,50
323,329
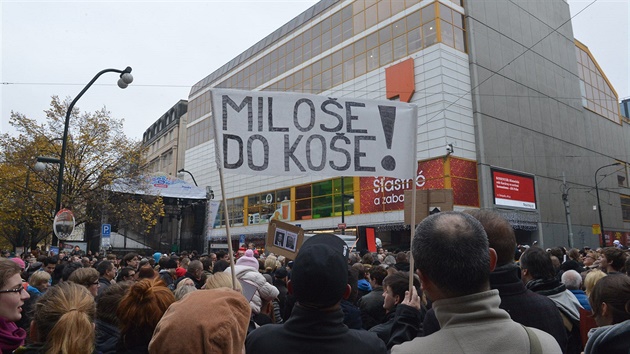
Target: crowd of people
474,290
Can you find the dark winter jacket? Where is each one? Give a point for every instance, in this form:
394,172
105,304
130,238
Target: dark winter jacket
103,284
106,337
351,315
282,296
384,329
371,306
313,331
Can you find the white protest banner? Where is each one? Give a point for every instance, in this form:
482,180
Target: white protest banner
282,133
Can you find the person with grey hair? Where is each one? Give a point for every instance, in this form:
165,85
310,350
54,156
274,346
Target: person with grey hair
389,260
573,281
453,260
353,258
183,288
195,273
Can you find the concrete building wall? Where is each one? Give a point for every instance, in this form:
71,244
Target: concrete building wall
529,113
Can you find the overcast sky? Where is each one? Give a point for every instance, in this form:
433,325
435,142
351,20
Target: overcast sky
56,47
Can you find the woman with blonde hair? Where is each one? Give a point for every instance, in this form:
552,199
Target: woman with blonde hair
271,263
221,280
63,321
87,277
591,279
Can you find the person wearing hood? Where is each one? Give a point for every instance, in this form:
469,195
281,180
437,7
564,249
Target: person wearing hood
538,275
156,257
246,271
202,333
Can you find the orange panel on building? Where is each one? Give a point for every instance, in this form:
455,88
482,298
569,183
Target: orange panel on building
400,80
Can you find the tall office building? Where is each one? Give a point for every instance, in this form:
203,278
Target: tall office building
508,101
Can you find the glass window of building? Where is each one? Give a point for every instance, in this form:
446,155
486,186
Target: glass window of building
599,95
303,202
405,36
625,207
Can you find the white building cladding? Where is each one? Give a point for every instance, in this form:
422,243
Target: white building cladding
498,81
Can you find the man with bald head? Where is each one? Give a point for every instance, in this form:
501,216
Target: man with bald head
454,261
524,306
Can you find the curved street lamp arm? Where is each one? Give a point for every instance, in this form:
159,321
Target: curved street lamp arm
64,139
191,176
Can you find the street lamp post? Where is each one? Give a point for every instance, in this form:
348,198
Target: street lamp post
125,79
599,209
343,205
180,173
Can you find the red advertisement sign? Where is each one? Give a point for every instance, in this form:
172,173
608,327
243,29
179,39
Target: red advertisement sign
380,194
513,189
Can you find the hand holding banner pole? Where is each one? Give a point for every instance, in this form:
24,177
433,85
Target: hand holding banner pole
413,231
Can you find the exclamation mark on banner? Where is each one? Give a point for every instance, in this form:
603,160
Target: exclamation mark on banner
388,117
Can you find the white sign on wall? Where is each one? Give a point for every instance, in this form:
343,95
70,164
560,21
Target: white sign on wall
280,133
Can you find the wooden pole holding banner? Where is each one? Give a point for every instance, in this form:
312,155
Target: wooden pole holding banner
224,198
413,231
227,227
354,245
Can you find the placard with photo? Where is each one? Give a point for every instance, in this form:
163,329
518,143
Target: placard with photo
291,241
284,239
279,238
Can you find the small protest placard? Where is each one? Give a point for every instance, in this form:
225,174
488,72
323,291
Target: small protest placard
284,239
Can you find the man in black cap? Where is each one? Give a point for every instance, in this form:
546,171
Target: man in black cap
319,280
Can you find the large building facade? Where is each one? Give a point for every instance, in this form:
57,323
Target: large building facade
164,141
514,115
